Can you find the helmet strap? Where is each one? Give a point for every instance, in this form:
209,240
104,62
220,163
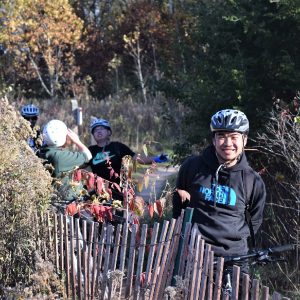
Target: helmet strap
228,163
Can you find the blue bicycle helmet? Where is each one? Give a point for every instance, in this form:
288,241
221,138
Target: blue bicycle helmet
30,110
99,122
229,120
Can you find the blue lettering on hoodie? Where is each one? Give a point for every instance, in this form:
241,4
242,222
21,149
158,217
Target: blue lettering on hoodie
222,194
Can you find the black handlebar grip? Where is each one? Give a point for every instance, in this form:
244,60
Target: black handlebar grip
282,248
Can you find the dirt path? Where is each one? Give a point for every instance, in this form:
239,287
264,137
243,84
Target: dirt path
157,183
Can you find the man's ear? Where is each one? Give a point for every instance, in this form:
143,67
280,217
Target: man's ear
245,140
213,140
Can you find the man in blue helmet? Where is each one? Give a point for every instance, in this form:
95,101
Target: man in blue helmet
107,155
222,188
31,113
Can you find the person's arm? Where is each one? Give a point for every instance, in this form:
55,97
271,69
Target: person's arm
181,196
143,159
146,160
74,138
184,195
258,203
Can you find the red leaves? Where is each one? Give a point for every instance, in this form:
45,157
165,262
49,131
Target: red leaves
77,175
159,208
111,173
151,209
101,213
143,278
137,205
116,186
99,185
90,183
72,209
155,207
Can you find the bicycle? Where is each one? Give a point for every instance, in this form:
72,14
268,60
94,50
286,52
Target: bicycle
256,257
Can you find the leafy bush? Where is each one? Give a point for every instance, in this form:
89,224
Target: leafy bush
25,189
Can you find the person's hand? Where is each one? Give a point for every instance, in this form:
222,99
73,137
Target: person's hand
161,158
184,195
74,138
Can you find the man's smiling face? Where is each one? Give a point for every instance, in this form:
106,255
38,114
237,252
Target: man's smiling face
229,145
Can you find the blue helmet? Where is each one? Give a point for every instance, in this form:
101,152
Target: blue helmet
229,120
99,122
30,110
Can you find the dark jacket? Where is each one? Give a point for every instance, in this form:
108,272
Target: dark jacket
221,215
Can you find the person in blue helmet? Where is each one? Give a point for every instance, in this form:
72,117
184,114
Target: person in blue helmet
107,155
31,113
227,195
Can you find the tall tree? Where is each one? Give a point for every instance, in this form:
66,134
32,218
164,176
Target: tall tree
145,30
41,37
242,54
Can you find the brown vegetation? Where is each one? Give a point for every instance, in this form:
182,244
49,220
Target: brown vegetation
25,189
281,160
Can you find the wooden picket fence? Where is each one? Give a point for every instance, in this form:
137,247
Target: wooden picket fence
167,261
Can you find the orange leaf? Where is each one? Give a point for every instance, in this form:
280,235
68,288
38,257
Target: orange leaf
139,205
71,209
131,204
140,186
151,210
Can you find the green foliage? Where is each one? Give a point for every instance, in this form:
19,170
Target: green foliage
242,54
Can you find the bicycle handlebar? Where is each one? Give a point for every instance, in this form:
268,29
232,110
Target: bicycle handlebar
281,248
259,254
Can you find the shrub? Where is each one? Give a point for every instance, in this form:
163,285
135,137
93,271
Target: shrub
281,158
25,189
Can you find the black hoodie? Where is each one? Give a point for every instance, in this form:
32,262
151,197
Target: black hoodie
221,215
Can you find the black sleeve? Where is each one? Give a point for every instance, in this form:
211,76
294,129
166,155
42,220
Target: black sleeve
185,175
124,149
258,202
178,205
